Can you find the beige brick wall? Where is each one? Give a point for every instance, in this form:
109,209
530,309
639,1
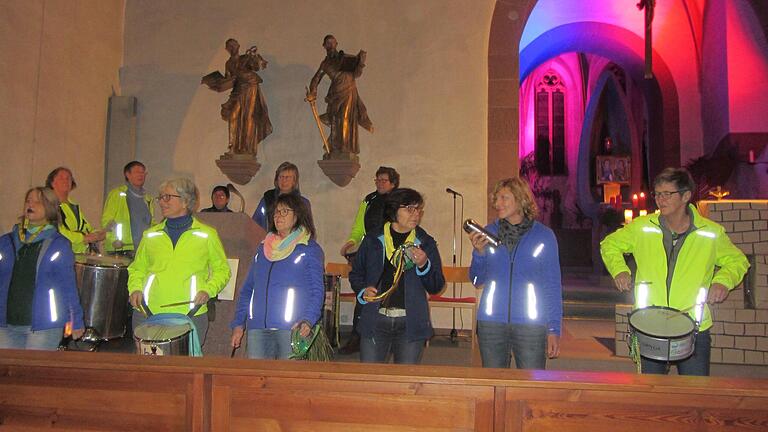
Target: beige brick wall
739,335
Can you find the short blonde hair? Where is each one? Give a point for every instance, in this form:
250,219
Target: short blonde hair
522,193
186,189
50,203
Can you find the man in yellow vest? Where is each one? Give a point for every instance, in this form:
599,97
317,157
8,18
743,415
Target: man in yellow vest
128,211
684,261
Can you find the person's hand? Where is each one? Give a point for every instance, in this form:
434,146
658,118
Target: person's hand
135,299
117,244
345,249
369,292
479,242
237,336
201,298
362,55
717,293
304,328
419,256
623,281
553,345
311,96
77,333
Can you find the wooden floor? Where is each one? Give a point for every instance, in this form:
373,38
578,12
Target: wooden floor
120,392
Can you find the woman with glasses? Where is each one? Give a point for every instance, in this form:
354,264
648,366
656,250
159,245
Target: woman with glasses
38,295
284,289
73,224
395,268
521,306
684,261
180,261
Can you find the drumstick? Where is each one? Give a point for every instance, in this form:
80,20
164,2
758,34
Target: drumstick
178,304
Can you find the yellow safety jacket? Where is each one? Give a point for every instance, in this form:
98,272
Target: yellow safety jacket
74,226
116,209
171,275
704,250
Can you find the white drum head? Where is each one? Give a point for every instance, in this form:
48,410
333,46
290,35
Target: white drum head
150,332
661,322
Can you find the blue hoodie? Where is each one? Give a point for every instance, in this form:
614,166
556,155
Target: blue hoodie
278,294
55,300
521,286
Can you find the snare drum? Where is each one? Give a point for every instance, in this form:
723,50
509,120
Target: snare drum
663,333
158,339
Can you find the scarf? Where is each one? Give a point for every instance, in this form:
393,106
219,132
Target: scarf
392,254
510,234
276,248
28,234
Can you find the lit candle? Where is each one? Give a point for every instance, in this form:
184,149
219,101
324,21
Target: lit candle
634,201
642,200
643,212
627,216
751,156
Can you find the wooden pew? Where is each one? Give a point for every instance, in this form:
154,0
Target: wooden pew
76,391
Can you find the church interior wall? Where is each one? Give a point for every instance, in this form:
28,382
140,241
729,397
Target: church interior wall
59,65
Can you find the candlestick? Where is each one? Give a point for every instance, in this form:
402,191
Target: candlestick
628,216
642,200
635,200
751,156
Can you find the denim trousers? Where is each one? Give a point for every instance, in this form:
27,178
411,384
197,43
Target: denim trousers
272,344
527,342
22,337
390,336
697,364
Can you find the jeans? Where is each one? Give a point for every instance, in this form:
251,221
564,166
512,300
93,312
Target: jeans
269,344
22,337
389,335
200,321
528,343
697,364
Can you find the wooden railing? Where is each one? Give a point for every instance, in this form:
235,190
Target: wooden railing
121,392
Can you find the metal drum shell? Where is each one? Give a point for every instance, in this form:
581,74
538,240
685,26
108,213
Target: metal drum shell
175,346
660,347
103,291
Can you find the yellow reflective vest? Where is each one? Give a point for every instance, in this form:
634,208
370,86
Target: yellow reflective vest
116,210
171,275
704,250
74,226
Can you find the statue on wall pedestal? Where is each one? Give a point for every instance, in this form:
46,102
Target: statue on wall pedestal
245,111
345,112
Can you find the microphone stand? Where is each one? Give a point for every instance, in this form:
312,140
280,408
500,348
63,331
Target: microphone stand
454,333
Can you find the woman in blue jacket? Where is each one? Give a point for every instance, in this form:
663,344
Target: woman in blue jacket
521,307
393,288
284,289
38,295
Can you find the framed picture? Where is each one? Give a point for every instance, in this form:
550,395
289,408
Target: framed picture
613,169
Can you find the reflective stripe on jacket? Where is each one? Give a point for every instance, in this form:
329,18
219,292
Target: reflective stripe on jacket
116,209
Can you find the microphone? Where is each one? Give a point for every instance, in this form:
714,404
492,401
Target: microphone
232,189
451,191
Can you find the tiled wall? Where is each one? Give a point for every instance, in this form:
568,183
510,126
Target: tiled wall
738,335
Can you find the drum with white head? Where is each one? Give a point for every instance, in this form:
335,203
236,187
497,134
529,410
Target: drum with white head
663,333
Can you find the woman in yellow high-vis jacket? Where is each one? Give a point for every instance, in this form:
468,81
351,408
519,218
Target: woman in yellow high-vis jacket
677,253
178,260
73,224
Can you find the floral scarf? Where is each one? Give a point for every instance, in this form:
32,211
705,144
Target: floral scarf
276,248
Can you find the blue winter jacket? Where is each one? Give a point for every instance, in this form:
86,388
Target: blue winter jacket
367,268
521,286
277,294
55,300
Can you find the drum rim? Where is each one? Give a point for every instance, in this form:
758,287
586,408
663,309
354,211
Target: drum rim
126,264
629,321
140,340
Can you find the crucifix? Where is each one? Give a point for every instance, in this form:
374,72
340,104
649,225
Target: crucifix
649,6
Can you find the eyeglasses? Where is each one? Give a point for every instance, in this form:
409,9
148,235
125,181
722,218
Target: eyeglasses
667,195
166,197
283,212
413,208
380,180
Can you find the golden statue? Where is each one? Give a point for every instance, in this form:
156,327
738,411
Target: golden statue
245,110
345,109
